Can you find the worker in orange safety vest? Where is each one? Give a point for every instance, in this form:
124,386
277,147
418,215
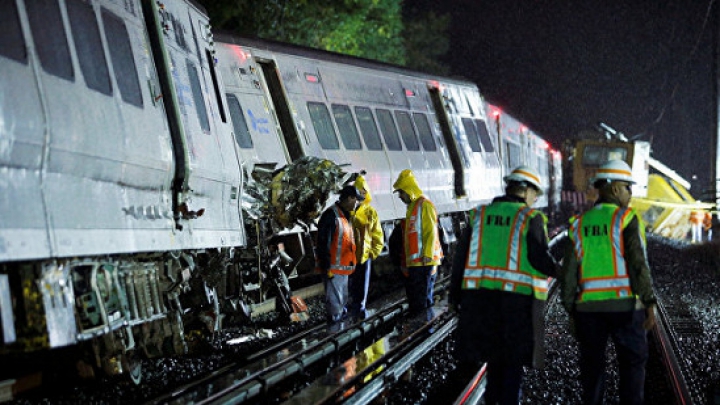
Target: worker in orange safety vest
335,254
697,217
421,241
606,287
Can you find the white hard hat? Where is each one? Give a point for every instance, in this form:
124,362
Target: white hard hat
526,174
614,170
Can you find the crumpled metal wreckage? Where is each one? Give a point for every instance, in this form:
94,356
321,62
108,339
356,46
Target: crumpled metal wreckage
296,194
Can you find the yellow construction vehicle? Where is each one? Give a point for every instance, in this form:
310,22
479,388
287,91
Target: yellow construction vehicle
662,199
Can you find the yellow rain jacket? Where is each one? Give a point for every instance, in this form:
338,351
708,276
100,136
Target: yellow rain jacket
369,239
428,239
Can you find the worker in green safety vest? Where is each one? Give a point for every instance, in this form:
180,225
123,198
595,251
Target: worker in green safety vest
499,286
607,289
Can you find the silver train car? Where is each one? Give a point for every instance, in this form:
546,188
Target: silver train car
520,145
119,177
127,130
368,116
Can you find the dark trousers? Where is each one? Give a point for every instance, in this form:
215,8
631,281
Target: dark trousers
630,339
503,384
359,286
419,287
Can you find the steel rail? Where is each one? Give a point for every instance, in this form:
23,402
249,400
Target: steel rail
394,363
235,384
665,336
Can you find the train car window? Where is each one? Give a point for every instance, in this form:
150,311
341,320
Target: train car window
514,155
346,126
242,133
426,135
122,59
323,126
388,129
49,37
472,135
88,46
595,155
407,130
12,43
484,136
198,97
543,165
368,128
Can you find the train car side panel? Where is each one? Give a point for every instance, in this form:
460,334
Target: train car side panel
207,178
23,225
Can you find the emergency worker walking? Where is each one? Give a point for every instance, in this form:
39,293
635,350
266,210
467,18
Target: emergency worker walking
421,240
707,225
607,289
499,286
335,253
696,225
369,242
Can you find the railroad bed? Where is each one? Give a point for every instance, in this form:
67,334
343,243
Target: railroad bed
687,281
685,278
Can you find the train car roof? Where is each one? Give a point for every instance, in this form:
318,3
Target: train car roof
313,53
199,6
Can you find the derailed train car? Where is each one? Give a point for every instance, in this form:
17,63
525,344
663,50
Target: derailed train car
119,179
367,117
129,135
519,144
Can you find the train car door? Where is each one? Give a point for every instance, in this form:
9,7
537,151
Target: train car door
256,127
207,170
284,110
455,149
419,129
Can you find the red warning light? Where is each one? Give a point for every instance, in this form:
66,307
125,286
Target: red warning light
409,93
312,78
240,53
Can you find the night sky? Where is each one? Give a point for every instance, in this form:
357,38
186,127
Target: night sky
643,67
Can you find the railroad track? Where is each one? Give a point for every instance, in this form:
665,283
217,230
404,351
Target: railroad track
312,368
674,324
263,372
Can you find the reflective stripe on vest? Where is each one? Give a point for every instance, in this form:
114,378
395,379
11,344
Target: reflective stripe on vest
342,261
515,274
413,234
605,274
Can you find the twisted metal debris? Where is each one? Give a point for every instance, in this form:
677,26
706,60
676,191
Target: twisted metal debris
296,194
